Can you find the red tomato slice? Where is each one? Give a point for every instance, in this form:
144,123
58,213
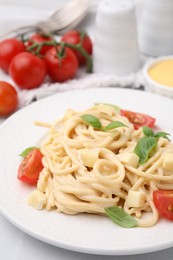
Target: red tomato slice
30,167
163,200
138,119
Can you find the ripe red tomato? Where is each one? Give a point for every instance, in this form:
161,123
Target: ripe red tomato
30,167
9,48
74,37
39,38
8,99
138,119
61,69
27,70
163,200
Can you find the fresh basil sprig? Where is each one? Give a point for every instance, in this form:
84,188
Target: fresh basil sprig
147,144
161,134
120,217
147,131
27,151
95,122
92,120
113,125
144,147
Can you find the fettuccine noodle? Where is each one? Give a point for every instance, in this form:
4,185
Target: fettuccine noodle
86,169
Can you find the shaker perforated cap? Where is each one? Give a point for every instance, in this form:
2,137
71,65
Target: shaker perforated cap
116,12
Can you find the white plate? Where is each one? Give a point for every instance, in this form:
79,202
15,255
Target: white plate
82,233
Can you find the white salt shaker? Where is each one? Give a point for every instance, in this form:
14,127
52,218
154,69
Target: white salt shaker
116,41
156,28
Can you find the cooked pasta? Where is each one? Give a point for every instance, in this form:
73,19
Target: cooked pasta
87,170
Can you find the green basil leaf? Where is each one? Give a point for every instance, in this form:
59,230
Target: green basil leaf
117,109
144,147
92,120
147,131
27,151
161,134
120,217
114,124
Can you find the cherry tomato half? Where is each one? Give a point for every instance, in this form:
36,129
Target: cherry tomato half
30,167
27,70
138,119
61,68
39,38
9,48
74,37
8,98
163,200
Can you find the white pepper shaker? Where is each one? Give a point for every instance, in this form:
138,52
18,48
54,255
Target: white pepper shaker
116,48
156,28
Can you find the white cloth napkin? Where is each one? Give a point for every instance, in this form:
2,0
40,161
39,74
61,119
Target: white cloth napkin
82,81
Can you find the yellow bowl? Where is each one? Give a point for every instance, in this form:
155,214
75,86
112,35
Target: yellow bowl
151,84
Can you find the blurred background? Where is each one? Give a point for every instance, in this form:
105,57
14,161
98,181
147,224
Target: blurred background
35,3
15,13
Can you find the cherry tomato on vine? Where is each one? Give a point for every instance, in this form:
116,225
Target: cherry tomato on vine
30,167
27,70
75,37
9,48
138,119
39,38
8,98
61,68
163,200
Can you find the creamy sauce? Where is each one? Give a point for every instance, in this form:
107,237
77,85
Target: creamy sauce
162,72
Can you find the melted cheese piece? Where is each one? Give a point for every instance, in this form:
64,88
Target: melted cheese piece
162,72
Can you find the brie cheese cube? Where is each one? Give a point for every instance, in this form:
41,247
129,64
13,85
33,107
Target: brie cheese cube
42,181
168,162
130,158
37,199
89,156
135,199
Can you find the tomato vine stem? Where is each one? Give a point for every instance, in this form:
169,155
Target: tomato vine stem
36,47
